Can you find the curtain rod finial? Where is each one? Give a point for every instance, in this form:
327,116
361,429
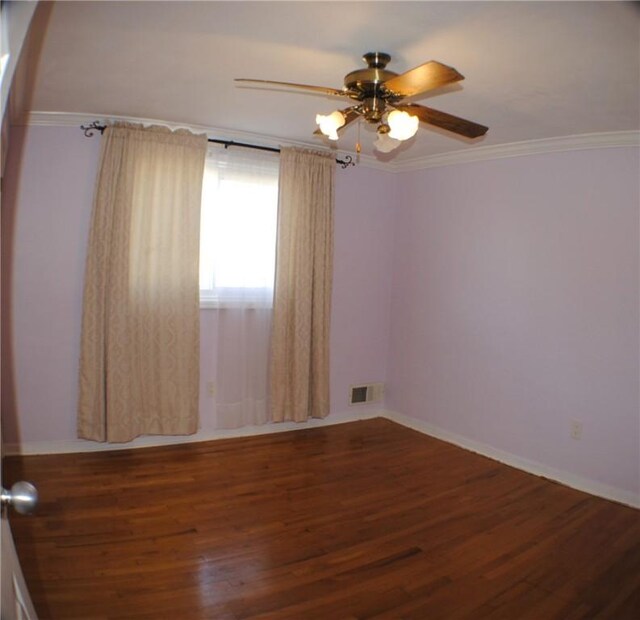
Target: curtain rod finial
346,162
93,127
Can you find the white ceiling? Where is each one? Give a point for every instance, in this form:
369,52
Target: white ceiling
533,70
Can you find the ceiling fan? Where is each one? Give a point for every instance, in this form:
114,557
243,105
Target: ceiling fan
379,94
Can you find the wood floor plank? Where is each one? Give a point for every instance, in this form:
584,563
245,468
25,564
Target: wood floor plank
352,521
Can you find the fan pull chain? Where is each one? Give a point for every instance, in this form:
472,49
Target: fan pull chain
358,145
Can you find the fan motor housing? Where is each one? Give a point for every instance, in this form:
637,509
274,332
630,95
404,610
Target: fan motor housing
367,81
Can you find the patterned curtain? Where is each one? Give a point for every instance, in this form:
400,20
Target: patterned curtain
139,366
299,369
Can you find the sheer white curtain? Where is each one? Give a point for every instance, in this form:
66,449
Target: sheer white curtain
237,261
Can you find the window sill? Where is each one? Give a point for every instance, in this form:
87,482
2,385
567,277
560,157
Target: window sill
211,304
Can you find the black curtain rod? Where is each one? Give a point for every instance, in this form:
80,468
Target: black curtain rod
96,126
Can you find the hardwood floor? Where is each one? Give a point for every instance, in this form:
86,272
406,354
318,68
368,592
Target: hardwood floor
360,520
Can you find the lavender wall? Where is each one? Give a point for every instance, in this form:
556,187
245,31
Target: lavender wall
498,300
364,222
515,308
45,224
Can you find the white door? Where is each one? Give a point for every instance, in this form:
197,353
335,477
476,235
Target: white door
15,18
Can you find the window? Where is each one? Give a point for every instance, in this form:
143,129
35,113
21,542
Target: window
238,228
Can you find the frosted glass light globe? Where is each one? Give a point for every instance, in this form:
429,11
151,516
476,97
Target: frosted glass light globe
385,144
403,125
330,124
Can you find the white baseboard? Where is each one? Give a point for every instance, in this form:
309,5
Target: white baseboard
69,446
538,469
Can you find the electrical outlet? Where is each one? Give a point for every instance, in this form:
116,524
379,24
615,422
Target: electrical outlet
211,388
576,429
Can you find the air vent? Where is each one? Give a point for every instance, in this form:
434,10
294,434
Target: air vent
367,393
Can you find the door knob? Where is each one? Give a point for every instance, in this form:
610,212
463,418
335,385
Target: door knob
23,496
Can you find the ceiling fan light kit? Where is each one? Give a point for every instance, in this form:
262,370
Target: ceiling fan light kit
330,124
403,125
385,144
379,94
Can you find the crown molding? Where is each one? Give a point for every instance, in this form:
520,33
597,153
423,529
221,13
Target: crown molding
580,142
611,139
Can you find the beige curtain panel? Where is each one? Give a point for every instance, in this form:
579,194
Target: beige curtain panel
139,366
299,368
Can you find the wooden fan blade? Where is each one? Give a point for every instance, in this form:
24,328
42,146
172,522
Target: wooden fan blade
426,77
316,89
469,129
350,115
